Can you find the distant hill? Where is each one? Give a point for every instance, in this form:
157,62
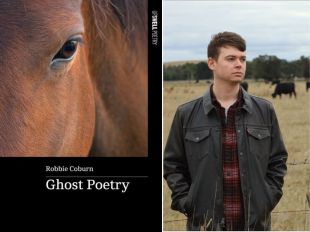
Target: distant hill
177,63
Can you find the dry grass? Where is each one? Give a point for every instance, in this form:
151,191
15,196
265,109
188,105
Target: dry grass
294,119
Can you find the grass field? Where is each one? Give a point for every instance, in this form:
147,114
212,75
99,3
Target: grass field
293,211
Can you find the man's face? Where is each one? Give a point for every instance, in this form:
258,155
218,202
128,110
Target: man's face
230,65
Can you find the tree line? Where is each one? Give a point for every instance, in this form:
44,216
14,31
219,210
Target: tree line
268,68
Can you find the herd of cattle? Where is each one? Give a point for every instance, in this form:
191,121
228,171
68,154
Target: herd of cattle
281,88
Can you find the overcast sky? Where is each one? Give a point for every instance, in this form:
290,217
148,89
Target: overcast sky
280,28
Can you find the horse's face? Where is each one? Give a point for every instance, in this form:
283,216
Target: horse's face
46,96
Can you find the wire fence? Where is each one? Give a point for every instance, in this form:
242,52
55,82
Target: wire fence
305,162
301,211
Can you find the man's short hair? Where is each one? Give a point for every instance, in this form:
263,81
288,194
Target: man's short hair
223,39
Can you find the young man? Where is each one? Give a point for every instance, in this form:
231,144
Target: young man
225,159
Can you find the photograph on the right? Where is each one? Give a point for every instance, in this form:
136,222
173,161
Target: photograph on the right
236,115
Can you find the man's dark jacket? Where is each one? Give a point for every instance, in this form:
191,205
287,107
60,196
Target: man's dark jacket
193,162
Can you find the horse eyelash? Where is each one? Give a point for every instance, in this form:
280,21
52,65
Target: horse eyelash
78,39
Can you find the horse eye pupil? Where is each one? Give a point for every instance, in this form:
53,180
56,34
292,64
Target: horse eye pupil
69,48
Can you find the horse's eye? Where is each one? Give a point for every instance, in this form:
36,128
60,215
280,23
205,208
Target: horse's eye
67,51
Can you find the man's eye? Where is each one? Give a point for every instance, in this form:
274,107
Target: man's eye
67,51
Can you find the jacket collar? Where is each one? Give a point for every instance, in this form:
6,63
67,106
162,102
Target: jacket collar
248,103
208,106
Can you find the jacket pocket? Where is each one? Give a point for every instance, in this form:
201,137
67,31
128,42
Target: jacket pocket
273,196
197,143
189,201
261,205
259,133
259,141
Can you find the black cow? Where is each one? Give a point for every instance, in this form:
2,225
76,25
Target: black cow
307,85
284,88
275,82
245,85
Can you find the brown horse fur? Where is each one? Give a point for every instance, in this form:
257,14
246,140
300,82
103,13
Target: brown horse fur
97,101
121,71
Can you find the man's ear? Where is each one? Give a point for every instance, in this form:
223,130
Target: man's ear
211,63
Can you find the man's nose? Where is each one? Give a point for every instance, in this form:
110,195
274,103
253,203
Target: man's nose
239,63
